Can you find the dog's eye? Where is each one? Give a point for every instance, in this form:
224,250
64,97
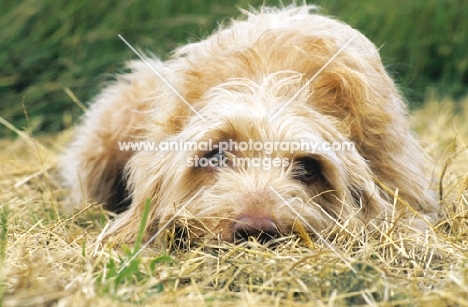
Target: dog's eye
307,170
216,159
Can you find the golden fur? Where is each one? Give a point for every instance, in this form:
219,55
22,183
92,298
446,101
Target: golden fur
236,79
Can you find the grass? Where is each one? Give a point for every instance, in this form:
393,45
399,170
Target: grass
53,257
56,52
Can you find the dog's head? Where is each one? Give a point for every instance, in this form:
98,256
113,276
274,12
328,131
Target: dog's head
252,163
285,82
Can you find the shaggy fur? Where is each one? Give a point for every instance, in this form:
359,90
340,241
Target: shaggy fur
236,79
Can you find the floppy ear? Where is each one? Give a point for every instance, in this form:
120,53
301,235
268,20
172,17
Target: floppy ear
355,89
92,165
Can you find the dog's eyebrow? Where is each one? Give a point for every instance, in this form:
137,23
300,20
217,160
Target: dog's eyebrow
312,78
161,77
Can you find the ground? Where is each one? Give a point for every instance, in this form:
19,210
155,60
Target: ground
50,256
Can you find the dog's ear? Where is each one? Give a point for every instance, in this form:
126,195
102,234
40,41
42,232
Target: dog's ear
92,164
357,91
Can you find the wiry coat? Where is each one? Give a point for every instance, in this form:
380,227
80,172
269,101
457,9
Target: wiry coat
236,79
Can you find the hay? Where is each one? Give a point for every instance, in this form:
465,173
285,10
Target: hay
53,257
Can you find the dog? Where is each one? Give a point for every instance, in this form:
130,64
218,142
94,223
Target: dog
276,76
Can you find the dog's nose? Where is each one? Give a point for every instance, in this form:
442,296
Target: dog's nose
262,228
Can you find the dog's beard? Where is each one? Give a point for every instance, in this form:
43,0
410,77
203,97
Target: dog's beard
334,197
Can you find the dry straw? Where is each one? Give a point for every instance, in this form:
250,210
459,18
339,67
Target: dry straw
55,258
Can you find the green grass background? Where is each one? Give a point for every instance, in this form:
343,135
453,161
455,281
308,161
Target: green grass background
50,45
